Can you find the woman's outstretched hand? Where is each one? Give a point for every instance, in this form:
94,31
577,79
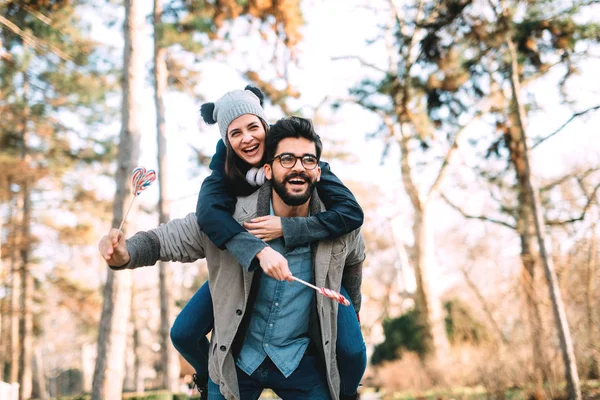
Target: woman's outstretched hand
265,228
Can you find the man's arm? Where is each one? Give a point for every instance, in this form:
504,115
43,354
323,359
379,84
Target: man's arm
343,214
352,275
177,240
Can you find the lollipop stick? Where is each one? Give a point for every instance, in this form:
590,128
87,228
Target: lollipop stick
127,213
305,283
326,292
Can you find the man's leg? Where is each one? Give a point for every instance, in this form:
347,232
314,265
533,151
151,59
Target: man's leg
308,381
251,386
351,350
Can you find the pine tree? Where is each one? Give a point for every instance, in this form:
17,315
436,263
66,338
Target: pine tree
48,69
112,339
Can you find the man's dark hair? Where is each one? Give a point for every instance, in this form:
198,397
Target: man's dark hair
291,127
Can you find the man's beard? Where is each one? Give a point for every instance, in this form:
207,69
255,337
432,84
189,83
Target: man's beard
293,199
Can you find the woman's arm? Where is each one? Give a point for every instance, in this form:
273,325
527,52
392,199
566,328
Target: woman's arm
352,275
216,203
343,214
214,210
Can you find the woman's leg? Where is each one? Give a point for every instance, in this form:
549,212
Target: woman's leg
351,349
190,328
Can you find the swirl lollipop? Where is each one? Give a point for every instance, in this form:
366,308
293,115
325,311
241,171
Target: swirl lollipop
332,294
140,180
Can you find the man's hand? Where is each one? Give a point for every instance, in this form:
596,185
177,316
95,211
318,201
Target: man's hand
274,264
113,250
265,228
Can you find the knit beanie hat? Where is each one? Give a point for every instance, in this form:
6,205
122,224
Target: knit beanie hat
232,105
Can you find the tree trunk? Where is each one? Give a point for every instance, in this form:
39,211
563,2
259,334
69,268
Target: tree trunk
39,374
26,320
3,286
593,363
2,344
112,337
500,337
12,325
138,379
566,344
435,340
4,275
431,315
528,256
87,367
15,291
169,358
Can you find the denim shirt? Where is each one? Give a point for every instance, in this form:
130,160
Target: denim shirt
279,321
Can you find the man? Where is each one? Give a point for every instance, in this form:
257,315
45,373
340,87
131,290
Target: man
268,333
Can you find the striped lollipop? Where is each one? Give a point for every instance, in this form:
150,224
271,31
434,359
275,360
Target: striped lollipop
332,294
140,180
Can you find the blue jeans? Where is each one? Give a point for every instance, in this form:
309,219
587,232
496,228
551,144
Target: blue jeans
350,348
193,323
190,328
308,381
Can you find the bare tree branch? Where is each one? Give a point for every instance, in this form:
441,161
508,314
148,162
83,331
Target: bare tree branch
567,177
451,150
590,201
577,114
38,15
32,40
362,62
479,217
486,308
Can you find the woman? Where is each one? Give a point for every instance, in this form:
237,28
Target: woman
236,172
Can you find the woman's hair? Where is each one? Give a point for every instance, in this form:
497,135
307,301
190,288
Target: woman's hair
235,167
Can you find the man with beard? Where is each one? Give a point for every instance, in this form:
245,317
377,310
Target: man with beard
268,333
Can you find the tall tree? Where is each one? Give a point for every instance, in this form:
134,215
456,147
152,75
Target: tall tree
138,379
562,325
169,357
26,322
112,337
15,290
543,33
46,71
3,313
403,121
446,68
591,326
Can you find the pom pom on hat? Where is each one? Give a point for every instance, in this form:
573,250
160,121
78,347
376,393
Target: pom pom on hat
257,92
206,110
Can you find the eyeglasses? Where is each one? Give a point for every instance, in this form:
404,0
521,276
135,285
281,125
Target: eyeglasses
288,160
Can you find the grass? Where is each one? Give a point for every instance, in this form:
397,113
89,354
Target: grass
590,390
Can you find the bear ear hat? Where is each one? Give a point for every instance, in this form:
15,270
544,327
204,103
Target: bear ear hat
207,110
257,92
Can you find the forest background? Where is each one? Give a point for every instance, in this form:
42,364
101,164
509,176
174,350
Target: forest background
467,129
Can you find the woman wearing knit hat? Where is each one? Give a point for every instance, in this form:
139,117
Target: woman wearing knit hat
237,171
